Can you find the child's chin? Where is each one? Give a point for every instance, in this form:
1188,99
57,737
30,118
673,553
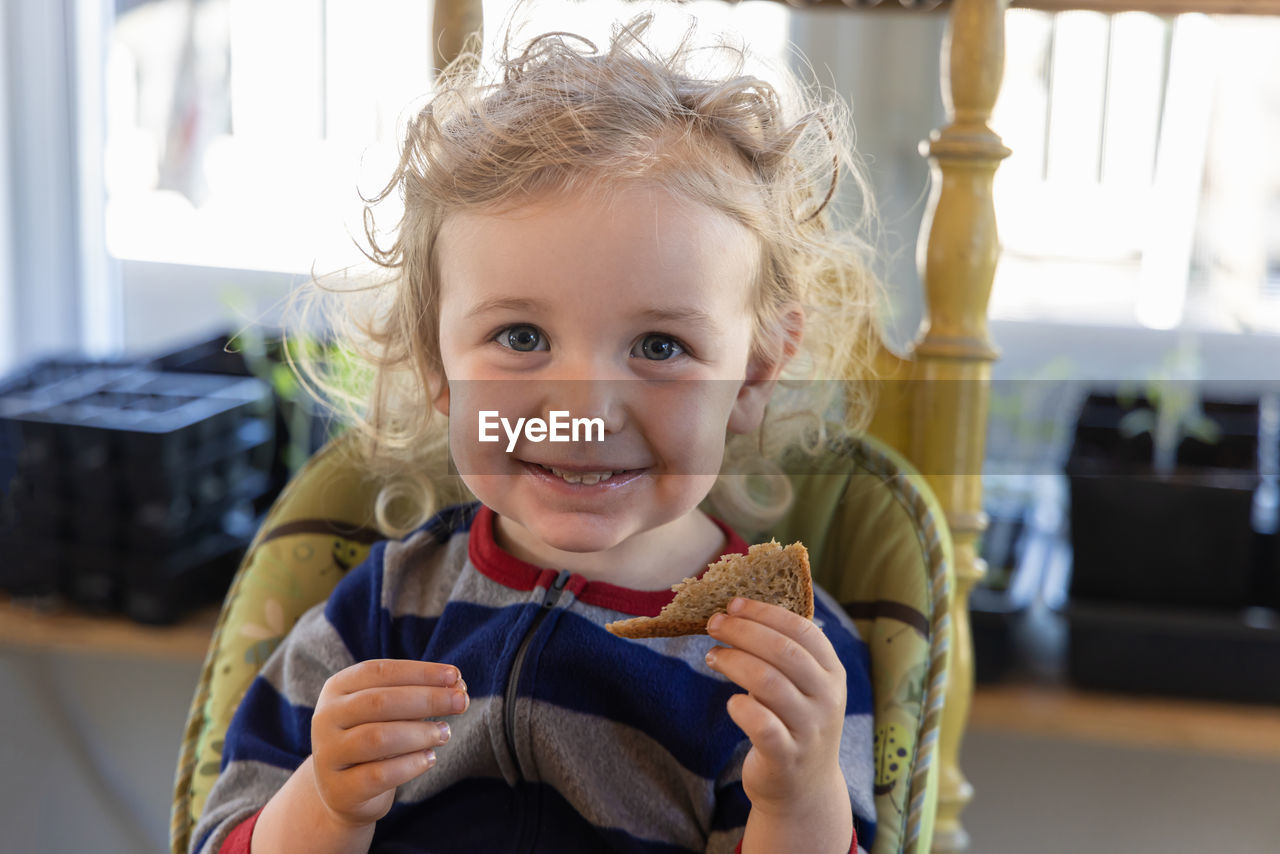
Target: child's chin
578,536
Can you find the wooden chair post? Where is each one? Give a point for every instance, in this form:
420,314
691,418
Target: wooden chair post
953,354
452,21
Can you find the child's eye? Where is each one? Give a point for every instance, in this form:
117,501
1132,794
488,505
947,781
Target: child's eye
524,338
657,348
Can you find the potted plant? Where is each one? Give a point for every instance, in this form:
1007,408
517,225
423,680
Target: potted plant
1173,526
1162,494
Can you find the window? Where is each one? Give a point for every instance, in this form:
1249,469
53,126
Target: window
1141,188
239,134
238,131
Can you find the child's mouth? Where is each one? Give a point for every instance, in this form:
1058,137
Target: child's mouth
614,477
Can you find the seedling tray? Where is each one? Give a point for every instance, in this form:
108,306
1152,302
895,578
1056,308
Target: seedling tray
121,482
154,526
223,354
1221,655
151,588
207,479
161,591
81,425
1181,539
999,607
48,372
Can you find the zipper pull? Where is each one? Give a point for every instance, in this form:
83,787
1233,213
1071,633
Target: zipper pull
557,587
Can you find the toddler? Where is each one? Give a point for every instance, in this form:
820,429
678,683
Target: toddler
612,238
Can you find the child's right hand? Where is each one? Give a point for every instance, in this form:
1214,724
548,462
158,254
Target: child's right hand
368,733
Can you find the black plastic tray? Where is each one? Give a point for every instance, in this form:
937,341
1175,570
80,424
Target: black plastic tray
151,588
103,420
122,487
204,480
141,507
161,592
223,354
1219,655
996,614
1184,539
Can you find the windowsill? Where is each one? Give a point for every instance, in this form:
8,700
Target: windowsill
66,629
1105,354
1109,294
1219,728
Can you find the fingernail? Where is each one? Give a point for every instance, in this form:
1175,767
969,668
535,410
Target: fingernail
737,605
444,732
711,657
459,701
715,622
431,758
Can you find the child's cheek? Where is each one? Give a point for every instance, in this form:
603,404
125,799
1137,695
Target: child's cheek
477,440
687,420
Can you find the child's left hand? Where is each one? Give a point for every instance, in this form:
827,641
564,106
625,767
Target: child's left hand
793,710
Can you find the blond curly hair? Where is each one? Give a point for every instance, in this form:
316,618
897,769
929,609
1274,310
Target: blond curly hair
560,115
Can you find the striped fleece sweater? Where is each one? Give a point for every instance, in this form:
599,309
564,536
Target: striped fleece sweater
575,740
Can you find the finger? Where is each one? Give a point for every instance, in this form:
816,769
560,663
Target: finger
377,741
767,732
397,703
368,780
780,650
765,683
385,672
802,631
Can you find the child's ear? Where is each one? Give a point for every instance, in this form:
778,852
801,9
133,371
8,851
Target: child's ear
762,376
438,389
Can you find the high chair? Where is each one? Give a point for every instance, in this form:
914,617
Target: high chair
867,511
897,548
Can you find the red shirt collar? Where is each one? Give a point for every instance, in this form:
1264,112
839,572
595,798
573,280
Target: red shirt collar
495,563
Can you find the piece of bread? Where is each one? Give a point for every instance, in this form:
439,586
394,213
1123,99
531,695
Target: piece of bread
767,572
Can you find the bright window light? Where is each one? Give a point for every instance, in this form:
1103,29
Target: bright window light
239,131
1142,188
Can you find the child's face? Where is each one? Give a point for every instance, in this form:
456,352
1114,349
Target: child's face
637,314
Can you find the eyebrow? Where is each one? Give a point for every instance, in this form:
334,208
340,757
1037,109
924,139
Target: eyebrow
674,314
692,316
505,303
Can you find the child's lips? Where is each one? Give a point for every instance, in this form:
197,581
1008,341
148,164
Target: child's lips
616,480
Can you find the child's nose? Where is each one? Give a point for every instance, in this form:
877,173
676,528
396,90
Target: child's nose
588,397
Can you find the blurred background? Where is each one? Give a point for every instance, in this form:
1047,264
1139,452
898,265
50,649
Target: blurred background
171,169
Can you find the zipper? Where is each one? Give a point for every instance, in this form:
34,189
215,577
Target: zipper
549,600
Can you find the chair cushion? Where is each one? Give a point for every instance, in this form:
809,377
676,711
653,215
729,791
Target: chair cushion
318,528
879,544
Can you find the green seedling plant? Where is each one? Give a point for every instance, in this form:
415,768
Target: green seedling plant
275,356
1175,412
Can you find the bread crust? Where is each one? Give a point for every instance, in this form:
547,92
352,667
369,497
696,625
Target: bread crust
765,566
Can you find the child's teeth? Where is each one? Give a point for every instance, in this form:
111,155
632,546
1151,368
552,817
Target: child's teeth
589,478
